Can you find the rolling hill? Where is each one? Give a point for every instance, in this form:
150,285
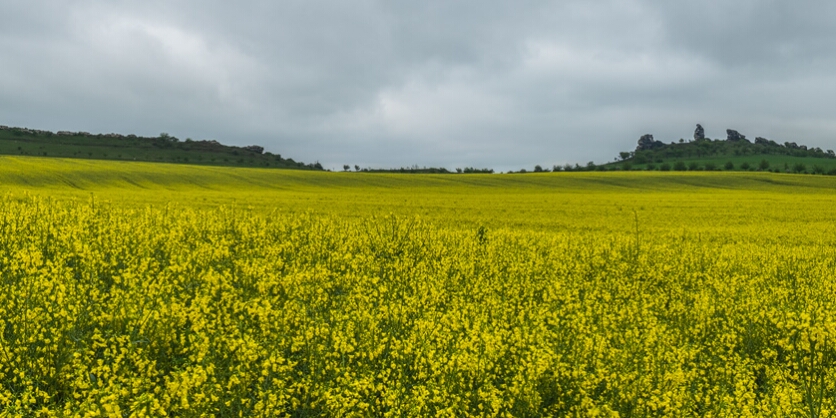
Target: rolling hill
735,153
162,149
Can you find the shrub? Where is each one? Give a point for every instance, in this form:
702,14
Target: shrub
745,166
799,168
693,166
729,166
651,167
665,167
679,166
710,167
763,165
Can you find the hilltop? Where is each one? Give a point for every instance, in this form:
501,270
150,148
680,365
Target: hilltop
163,149
735,153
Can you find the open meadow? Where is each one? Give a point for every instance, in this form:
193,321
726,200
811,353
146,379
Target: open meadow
151,289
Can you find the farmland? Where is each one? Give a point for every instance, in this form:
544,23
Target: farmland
139,288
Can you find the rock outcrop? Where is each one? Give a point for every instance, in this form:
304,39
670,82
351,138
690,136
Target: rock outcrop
734,136
699,133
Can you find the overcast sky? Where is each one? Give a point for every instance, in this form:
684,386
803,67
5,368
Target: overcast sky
483,83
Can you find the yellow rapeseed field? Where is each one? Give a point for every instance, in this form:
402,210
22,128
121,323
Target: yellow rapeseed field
154,290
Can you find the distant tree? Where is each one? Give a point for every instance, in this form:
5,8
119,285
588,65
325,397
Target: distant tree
556,168
665,167
538,169
625,155
458,170
763,165
356,167
166,137
590,166
745,166
626,166
710,167
651,167
255,148
346,167
679,166
693,166
729,166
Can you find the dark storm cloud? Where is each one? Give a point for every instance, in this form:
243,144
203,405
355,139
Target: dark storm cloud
499,84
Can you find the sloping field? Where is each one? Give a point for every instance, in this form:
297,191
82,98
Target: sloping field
58,173
133,288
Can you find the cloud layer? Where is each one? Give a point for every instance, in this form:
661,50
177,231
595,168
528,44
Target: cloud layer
487,84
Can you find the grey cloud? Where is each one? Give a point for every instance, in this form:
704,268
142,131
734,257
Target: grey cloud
499,84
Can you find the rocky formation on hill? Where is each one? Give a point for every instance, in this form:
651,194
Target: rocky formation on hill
699,133
733,136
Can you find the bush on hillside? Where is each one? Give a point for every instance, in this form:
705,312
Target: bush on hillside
763,165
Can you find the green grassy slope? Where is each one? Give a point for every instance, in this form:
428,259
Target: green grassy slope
164,149
775,163
727,155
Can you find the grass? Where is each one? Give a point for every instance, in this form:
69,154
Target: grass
779,163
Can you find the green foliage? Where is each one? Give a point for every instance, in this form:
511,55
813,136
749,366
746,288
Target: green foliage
165,147
763,165
762,155
799,168
680,166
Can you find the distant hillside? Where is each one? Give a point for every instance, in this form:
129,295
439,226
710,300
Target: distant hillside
164,148
735,153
